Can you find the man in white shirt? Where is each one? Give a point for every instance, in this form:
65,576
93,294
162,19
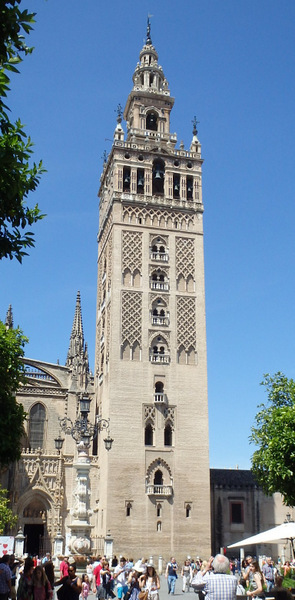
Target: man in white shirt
120,574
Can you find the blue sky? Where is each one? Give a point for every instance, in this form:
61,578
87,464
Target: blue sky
231,64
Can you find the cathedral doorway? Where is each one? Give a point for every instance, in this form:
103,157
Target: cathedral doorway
34,522
34,535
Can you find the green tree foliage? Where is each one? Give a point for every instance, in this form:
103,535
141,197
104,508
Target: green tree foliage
17,176
273,463
12,413
7,518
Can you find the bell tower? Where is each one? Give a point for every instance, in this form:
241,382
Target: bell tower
151,373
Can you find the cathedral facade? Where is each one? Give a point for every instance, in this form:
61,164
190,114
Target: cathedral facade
150,494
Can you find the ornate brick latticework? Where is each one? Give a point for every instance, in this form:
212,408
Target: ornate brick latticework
108,330
169,416
157,218
149,414
186,322
105,231
131,318
185,257
109,260
132,251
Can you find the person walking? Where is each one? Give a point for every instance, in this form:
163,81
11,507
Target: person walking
187,575
150,582
171,575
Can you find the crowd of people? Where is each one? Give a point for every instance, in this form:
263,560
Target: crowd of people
215,579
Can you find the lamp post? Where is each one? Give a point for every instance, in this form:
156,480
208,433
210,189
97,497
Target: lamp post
58,540
83,432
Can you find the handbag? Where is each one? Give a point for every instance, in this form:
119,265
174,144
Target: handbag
143,595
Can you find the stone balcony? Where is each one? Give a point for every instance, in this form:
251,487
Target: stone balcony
158,490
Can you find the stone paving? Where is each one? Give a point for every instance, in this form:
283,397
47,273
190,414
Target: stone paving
164,591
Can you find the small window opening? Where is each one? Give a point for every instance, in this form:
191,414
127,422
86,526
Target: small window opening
148,435
188,511
176,186
168,435
152,121
126,179
189,187
158,176
158,478
140,181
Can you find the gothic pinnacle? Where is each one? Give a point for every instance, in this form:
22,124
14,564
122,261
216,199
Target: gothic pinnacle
9,318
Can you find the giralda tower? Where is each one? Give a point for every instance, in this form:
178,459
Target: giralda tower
151,373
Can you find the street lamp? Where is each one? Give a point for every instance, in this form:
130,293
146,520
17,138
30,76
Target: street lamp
59,443
82,430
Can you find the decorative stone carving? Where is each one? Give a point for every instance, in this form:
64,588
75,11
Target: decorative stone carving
186,322
169,416
185,257
132,251
131,318
157,218
149,414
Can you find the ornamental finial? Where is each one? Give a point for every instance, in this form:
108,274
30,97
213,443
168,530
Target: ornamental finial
148,32
119,111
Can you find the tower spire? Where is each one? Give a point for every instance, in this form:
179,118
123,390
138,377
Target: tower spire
148,32
77,358
9,318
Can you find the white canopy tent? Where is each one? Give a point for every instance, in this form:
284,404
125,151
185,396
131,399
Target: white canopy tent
286,531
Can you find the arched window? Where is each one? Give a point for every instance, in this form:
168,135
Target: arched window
148,435
168,435
128,509
152,121
158,176
159,392
158,478
188,511
159,387
36,428
126,179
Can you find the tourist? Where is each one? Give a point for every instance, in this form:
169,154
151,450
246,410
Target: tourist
49,570
219,585
171,575
187,575
71,585
85,587
97,586
13,564
268,572
256,580
25,584
89,570
287,568
41,586
279,592
150,582
5,578
64,567
121,574
133,581
107,582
